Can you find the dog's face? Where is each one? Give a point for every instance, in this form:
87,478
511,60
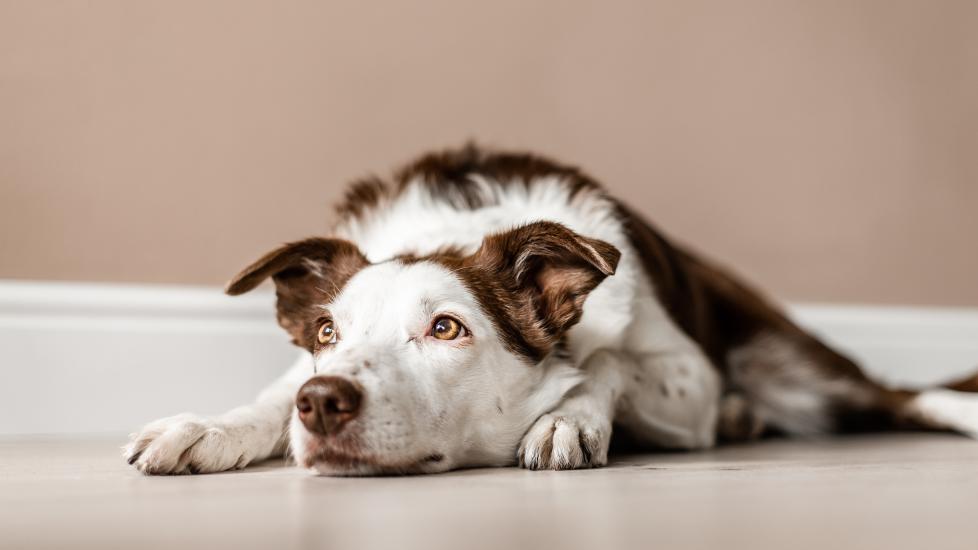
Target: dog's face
433,382
433,363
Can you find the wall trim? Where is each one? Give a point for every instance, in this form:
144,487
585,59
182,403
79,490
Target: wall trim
117,355
127,307
88,357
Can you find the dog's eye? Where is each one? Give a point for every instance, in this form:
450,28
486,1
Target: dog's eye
446,328
327,335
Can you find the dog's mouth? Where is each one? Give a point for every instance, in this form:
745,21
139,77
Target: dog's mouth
327,460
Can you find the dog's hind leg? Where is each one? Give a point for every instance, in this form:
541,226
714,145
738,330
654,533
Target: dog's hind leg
737,421
795,384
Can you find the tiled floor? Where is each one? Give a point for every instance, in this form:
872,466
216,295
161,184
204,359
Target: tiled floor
886,492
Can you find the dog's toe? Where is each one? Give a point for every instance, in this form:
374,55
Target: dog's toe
563,442
182,444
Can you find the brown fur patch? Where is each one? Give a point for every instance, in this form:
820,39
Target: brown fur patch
532,281
449,173
307,274
968,384
447,251
449,177
362,196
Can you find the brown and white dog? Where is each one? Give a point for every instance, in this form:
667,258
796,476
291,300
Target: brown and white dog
492,309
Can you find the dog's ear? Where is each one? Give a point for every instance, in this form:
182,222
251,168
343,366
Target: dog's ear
548,270
307,274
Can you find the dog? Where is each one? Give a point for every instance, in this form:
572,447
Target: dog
487,308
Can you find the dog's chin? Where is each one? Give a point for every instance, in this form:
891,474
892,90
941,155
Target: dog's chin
320,458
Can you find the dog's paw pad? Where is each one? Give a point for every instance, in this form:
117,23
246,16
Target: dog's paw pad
562,442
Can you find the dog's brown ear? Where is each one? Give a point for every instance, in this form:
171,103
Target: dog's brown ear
548,271
307,274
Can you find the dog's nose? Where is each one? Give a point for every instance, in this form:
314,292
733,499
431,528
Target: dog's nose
325,403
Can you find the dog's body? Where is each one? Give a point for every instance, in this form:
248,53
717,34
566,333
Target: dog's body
447,324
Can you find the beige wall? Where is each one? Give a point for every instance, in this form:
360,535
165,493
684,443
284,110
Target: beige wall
827,149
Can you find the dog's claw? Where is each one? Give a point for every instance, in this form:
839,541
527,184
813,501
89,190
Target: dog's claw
564,442
186,444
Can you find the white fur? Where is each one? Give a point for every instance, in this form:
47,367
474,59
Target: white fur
946,410
672,399
475,403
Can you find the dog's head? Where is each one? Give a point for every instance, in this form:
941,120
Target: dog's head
424,364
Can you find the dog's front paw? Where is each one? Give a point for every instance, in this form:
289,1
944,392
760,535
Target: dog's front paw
565,442
185,444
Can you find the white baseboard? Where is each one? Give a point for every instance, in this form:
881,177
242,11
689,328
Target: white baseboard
93,358
106,358
900,345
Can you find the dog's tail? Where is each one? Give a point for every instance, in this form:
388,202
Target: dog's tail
968,384
953,406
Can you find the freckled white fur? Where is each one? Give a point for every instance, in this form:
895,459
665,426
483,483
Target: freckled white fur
477,404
